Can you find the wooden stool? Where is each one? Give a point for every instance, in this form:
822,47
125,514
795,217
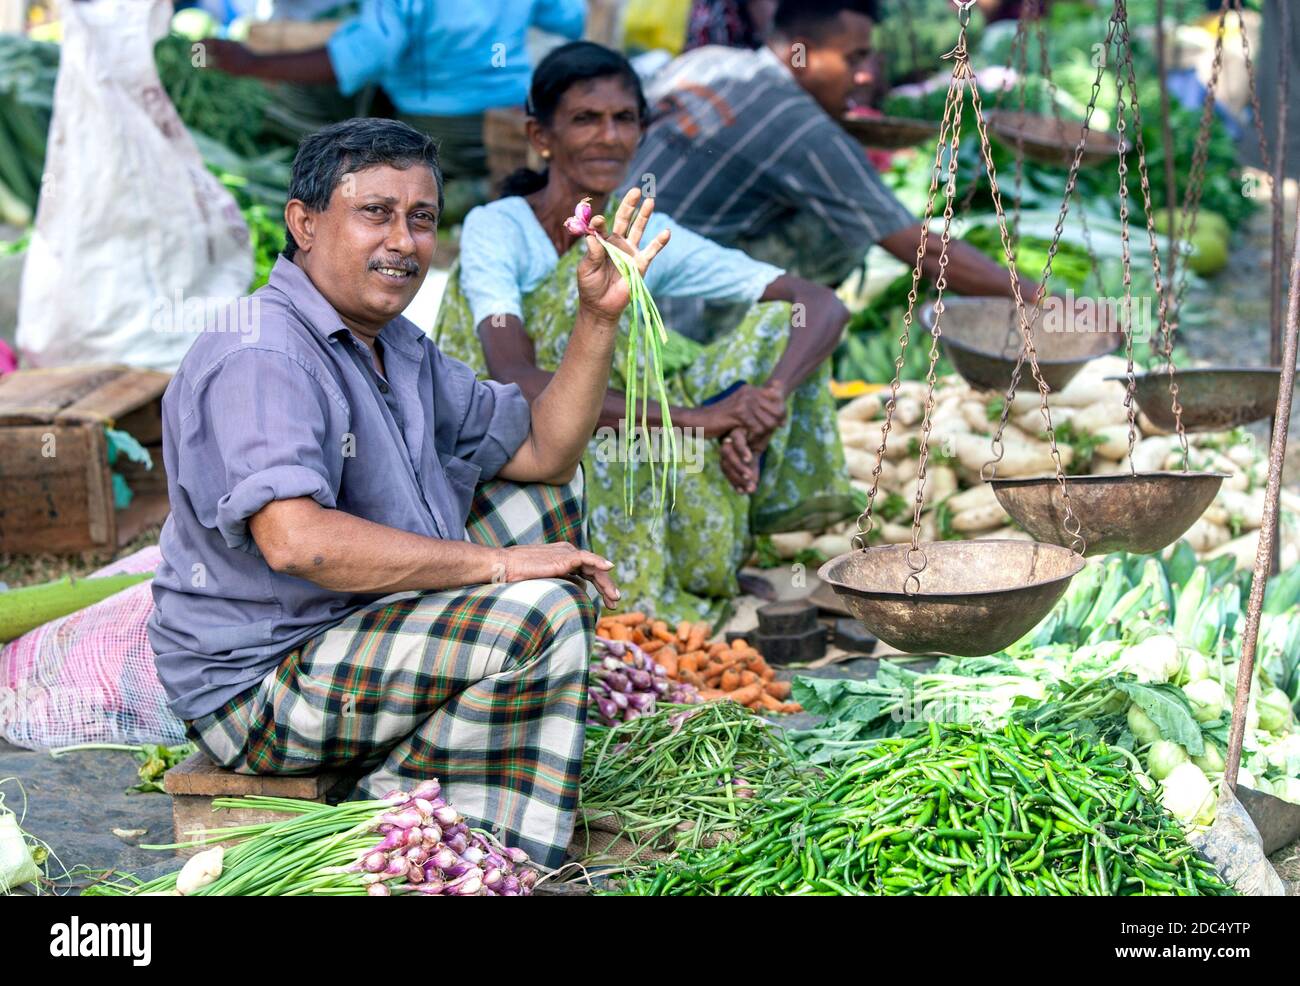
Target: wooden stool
196,780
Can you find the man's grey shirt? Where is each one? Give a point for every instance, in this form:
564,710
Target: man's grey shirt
293,407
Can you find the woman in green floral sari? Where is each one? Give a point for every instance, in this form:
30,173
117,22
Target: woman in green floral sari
759,447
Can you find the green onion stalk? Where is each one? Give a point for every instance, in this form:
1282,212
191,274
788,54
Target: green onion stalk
647,337
686,776
427,848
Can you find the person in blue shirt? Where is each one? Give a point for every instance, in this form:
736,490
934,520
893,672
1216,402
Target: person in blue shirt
441,65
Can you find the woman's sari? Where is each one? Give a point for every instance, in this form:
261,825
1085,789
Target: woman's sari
684,565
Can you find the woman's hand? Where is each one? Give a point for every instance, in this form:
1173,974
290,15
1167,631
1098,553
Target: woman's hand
739,462
758,410
601,288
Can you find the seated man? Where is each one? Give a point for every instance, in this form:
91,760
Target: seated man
746,149
337,459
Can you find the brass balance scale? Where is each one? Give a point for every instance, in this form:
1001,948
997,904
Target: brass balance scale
1212,398
977,597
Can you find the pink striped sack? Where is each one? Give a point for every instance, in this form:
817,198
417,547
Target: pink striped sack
89,677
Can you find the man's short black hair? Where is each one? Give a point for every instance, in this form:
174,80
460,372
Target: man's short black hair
324,157
812,18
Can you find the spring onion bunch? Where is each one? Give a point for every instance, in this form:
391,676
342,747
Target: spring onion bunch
425,848
646,340
627,683
686,776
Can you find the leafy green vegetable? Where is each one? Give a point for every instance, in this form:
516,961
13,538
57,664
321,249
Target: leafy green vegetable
1168,708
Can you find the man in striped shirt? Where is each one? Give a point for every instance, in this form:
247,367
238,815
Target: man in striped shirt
745,148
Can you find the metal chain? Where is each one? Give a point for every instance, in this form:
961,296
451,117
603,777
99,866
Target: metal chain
1045,69
916,558
1166,325
989,469
1196,173
866,520
1069,522
1254,88
1126,265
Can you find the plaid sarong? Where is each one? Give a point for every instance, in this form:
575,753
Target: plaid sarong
482,687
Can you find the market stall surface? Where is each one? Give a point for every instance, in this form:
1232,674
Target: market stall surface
74,804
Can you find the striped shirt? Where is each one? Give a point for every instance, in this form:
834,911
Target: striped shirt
740,153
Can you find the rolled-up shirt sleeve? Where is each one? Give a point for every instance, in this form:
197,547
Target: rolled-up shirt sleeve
480,421
364,48
258,432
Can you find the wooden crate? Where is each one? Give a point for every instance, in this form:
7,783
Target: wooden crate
56,489
195,781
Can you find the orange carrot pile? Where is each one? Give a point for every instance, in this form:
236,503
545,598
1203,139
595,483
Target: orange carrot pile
719,670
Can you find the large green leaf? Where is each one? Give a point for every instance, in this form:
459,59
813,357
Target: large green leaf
1169,709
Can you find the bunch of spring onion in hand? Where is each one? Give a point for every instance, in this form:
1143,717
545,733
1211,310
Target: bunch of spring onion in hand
643,370
627,683
424,847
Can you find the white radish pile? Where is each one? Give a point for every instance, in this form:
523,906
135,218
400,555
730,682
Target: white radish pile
963,423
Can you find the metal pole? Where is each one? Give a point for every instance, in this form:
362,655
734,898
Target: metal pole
1279,197
1167,135
1268,532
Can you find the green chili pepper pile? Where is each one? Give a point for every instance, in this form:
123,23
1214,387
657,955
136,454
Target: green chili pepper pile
958,811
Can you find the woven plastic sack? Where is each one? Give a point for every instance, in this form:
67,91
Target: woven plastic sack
89,677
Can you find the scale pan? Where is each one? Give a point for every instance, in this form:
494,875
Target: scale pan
1139,513
888,132
1213,398
982,338
1050,140
976,597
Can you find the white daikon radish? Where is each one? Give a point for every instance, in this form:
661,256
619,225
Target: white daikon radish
1242,549
905,471
1204,536
975,414
1031,418
1150,453
894,533
868,407
860,463
1005,534
940,483
833,545
979,519
1085,390
1216,513
859,434
977,496
1246,508
1095,417
1113,441
929,528
1108,467
790,544
909,411
900,441
1149,427
1243,455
